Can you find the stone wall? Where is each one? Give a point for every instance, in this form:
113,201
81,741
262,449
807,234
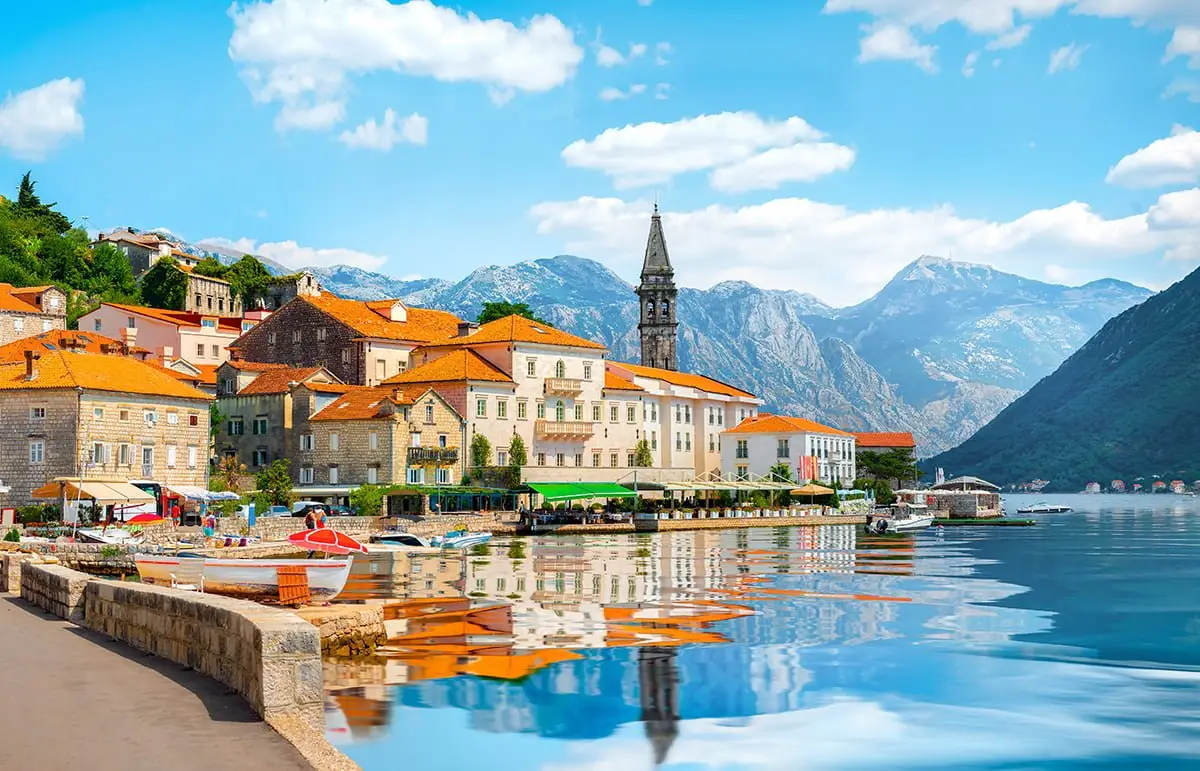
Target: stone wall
55,589
279,528
10,570
347,630
94,558
271,342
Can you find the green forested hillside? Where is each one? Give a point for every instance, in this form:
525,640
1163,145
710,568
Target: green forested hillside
1125,405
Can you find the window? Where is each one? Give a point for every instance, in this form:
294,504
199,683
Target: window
345,356
654,412
208,323
531,367
216,351
501,457
742,450
560,459
47,325
614,413
587,370
481,408
210,303
541,459
629,459
373,475
782,450
306,442
191,457
193,420
613,458
37,413
595,460
578,459
541,410
678,441
19,324
97,325
99,453
687,441
597,414
130,322
259,457
443,476
720,416
260,425
687,413
428,413
712,443
37,451
297,335
678,414
235,427
246,325
172,418
199,350
502,409
522,410
653,440
414,439
560,369
578,411
743,472
321,333
373,440
150,417
306,475
631,413
270,338
147,457
333,474
221,304
380,369
124,454
416,476
170,456
123,414
560,412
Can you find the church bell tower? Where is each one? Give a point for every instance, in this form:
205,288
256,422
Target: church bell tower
656,324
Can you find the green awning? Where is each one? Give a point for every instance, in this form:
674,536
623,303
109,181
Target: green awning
560,491
606,490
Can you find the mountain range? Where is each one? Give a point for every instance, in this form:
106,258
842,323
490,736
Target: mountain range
939,351
1123,406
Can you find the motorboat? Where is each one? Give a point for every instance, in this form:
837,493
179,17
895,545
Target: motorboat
403,539
248,579
1044,508
114,536
460,539
901,518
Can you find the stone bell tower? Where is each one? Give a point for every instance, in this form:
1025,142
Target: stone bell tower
657,325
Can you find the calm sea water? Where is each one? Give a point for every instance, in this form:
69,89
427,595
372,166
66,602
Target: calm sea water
1071,645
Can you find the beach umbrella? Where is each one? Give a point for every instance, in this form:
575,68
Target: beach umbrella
812,491
326,540
144,519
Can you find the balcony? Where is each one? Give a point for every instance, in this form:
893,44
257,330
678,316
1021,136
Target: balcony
432,456
563,386
564,429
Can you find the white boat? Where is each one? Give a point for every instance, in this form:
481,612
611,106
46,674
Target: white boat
403,539
1044,508
459,539
901,519
244,578
112,535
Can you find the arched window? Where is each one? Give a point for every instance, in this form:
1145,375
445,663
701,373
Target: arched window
560,412
560,369
666,309
650,309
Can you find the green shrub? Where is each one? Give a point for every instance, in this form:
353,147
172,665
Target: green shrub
13,535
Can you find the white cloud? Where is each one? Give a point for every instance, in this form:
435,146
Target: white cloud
384,136
1185,42
662,91
612,93
1010,39
984,17
292,255
1174,160
968,68
652,153
845,255
35,122
661,51
1066,58
607,56
301,53
802,162
1189,88
895,42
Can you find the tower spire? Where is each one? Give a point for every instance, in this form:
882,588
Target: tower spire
656,293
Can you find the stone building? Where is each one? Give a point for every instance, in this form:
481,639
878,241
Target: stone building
656,293
145,249
283,289
384,435
263,420
209,296
30,310
811,451
363,343
67,413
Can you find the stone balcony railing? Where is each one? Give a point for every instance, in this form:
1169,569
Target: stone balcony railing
563,386
564,429
432,456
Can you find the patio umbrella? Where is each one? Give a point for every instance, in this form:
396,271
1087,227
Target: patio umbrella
326,540
144,519
812,491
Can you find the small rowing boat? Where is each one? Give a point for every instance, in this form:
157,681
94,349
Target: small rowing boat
247,579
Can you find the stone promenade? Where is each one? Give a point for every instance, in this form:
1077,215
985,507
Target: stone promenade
73,699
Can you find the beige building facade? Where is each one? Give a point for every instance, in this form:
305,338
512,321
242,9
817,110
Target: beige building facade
26,311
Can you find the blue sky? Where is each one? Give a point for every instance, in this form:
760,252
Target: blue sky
817,146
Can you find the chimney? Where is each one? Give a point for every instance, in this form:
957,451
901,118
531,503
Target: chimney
129,337
31,372
167,352
235,354
467,328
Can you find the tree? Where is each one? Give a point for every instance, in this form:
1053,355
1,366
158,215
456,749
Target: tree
641,454
64,259
215,419
30,207
883,491
230,475
894,464
481,451
275,483
502,309
367,500
248,279
518,456
165,285
111,274
780,472
209,266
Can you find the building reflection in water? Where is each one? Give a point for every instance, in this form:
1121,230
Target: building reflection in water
575,637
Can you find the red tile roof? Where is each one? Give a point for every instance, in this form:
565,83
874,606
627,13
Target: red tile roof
253,366
63,369
781,424
370,319
370,402
699,382
231,324
461,365
276,381
56,340
614,382
17,299
207,375
518,329
884,439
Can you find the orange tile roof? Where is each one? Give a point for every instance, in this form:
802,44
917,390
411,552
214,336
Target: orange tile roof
359,403
253,366
461,365
63,369
782,424
182,318
12,299
57,339
327,388
276,381
370,319
884,439
614,382
688,380
206,376
518,329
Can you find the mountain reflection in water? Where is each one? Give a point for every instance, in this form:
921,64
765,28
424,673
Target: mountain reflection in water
787,648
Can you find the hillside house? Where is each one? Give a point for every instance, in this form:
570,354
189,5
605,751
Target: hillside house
30,310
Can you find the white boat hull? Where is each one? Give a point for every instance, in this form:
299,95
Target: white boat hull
464,541
113,535
911,523
245,578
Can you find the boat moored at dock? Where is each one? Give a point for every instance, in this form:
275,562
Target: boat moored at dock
1044,508
249,579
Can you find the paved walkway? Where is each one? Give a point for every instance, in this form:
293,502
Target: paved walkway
72,699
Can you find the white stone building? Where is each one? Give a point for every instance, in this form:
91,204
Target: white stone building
813,452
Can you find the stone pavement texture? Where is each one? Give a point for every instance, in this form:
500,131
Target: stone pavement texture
73,699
